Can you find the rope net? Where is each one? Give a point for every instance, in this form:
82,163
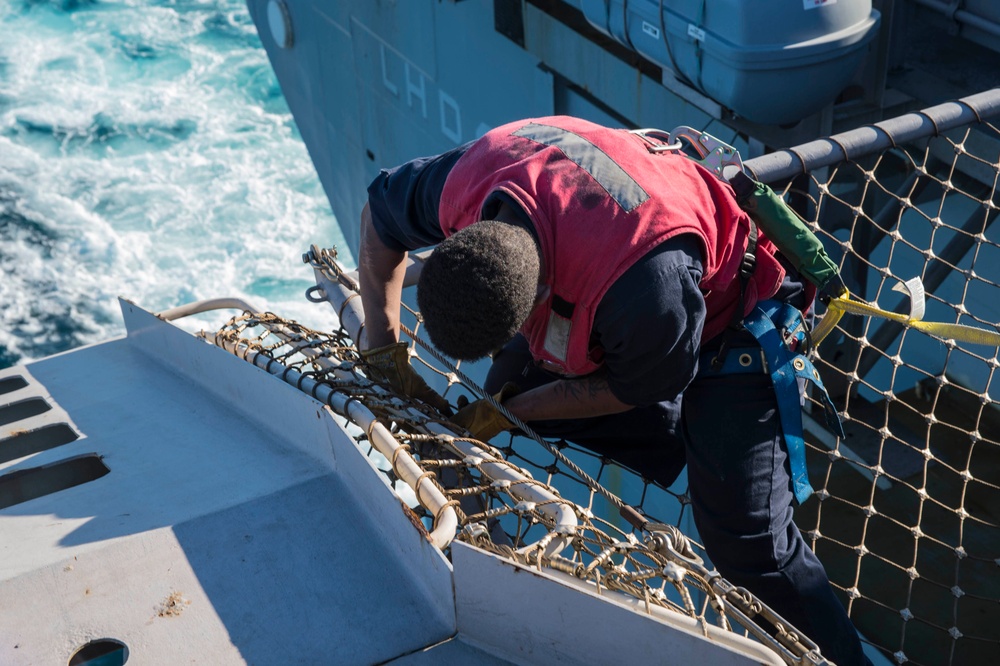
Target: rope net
905,513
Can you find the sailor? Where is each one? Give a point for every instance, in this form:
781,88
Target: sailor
609,280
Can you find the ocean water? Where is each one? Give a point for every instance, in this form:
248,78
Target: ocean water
146,152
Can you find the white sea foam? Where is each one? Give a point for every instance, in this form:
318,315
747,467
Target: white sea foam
145,151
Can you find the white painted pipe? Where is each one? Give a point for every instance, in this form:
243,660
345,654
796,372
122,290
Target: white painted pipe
205,306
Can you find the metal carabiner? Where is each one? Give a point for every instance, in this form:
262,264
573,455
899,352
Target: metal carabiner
713,154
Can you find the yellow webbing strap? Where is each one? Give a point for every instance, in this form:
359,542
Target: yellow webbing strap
836,308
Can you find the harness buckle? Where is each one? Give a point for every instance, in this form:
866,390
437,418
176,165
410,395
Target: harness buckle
749,263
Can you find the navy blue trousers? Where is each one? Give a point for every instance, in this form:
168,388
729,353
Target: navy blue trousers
728,431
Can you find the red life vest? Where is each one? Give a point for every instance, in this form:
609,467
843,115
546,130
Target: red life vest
599,200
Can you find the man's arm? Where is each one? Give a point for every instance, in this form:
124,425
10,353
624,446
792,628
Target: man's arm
380,272
403,205
579,397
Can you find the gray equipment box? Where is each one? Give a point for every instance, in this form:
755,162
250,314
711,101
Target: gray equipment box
770,61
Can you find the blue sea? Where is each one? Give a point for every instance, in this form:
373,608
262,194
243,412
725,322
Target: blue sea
146,151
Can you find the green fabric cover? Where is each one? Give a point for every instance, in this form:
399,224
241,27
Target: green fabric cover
790,233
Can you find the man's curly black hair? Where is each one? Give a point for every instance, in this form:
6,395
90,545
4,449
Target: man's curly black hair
478,287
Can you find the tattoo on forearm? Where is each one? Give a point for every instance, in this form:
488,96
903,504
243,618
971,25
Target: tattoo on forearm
584,388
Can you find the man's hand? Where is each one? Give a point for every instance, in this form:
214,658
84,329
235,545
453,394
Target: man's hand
391,365
483,420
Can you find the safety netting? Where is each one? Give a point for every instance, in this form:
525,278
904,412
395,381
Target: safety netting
906,517
905,513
